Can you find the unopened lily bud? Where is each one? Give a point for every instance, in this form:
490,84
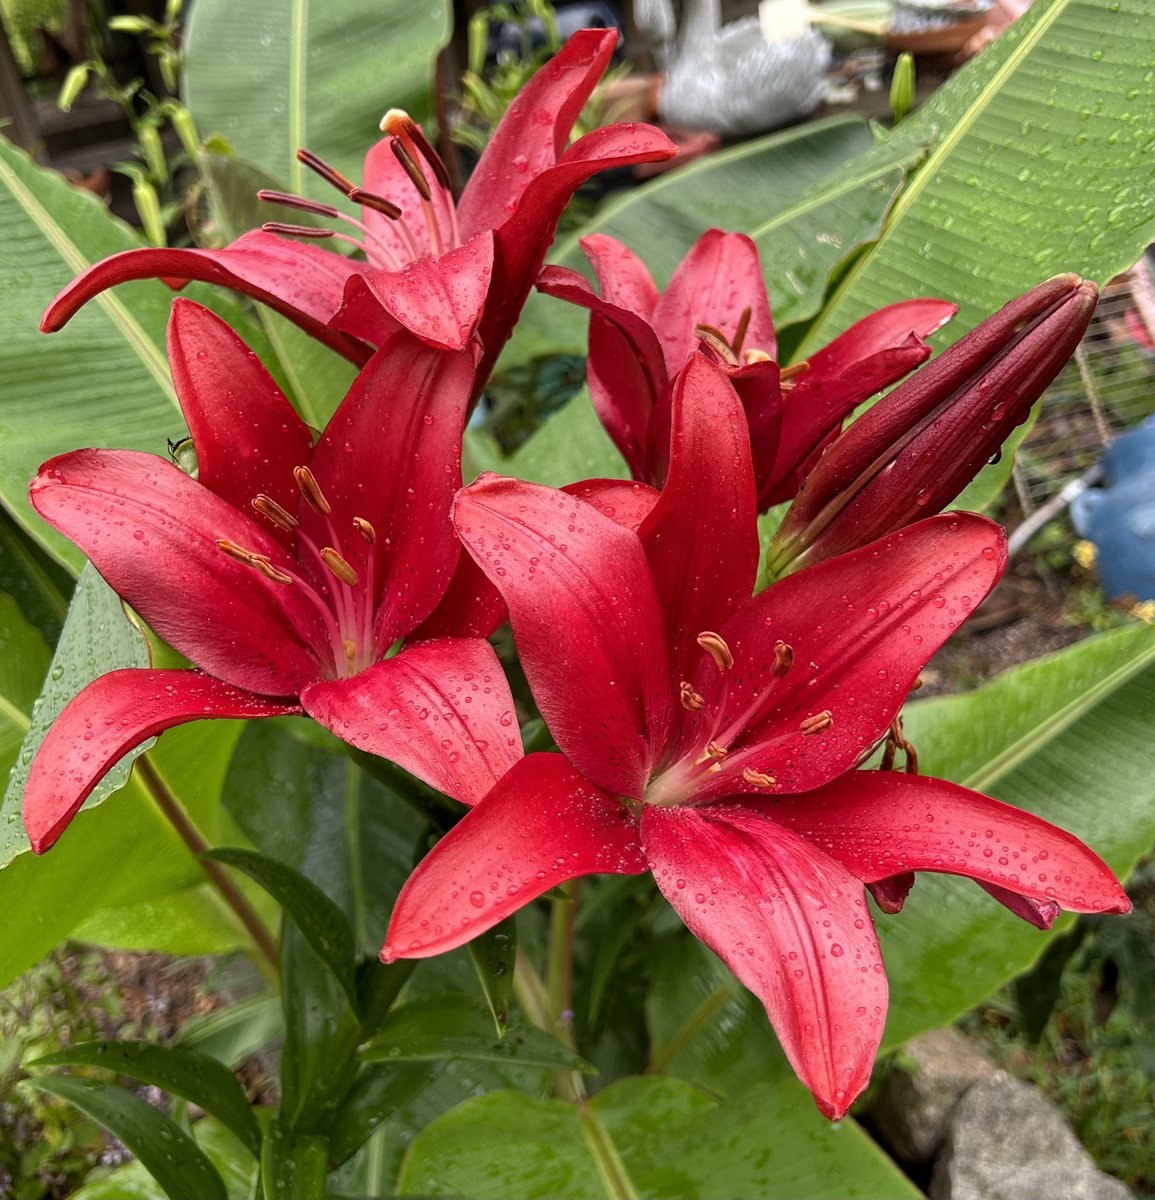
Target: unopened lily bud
911,454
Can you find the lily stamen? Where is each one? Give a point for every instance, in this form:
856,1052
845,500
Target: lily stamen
329,174
740,332
758,778
714,645
818,723
235,552
288,200
271,510
339,566
311,490
716,340
692,701
303,231
783,659
377,203
365,529
788,374
264,565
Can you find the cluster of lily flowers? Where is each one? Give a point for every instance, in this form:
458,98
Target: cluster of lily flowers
707,732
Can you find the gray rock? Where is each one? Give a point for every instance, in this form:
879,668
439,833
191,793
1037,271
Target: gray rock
915,1101
1005,1141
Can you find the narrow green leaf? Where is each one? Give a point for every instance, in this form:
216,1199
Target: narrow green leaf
650,1137
194,1077
237,1032
173,1159
493,955
377,1092
322,924
293,1165
273,76
456,1026
97,638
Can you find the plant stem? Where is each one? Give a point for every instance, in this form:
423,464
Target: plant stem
530,991
559,983
188,833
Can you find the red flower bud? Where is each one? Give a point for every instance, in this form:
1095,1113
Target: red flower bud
918,447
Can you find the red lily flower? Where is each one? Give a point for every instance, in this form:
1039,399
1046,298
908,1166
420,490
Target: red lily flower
442,271
711,738
285,573
640,340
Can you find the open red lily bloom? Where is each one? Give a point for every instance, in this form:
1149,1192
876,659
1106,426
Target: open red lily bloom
441,270
640,339
711,738
286,573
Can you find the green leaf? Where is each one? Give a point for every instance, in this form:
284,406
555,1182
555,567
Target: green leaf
171,1156
456,1026
36,582
194,1077
292,1164
188,922
649,1137
97,638
1042,163
1068,738
24,660
322,924
239,1031
378,1091
55,893
494,953
132,1182
273,76
103,378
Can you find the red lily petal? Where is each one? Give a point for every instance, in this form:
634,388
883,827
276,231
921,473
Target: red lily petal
1041,914
439,299
881,823
386,177
471,607
623,278
248,437
794,927
302,282
714,284
151,531
521,242
541,825
534,131
759,387
391,455
890,893
442,710
626,368
861,627
884,329
626,504
585,619
701,538
108,718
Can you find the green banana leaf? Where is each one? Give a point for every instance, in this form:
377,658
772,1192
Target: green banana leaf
272,76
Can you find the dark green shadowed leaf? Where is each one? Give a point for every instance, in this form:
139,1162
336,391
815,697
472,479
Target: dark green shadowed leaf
173,1159
39,584
195,1077
457,1027
24,660
494,953
322,924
